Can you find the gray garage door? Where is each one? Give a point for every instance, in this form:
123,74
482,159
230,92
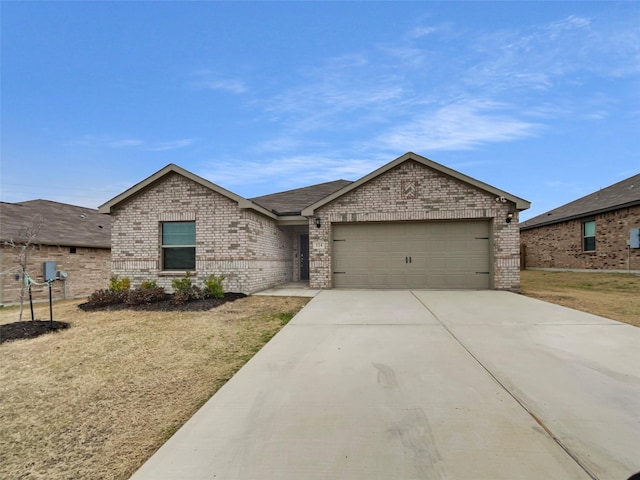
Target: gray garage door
412,255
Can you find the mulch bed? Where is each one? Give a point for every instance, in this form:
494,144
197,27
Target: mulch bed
32,329
168,305
29,329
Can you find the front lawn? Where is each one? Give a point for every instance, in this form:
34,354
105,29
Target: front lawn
611,295
97,399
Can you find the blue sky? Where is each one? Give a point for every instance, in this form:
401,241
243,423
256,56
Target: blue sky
541,99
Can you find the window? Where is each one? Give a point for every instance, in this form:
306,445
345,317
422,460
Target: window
589,236
179,246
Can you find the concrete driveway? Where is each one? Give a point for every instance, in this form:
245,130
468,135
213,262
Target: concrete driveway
423,385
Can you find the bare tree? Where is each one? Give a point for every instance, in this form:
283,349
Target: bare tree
25,241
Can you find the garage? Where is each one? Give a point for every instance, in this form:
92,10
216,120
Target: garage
430,255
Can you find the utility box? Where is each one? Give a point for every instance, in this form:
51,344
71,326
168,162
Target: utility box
49,269
634,238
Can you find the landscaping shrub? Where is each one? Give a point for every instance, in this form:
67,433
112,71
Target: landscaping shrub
185,290
119,284
182,284
213,287
149,285
101,298
141,296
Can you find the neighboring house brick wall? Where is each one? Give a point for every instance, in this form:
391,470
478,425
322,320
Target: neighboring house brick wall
560,245
414,192
88,270
250,250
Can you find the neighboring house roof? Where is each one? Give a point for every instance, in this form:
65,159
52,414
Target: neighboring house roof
623,194
292,202
56,224
520,203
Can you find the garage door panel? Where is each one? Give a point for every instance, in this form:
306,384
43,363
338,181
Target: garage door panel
412,255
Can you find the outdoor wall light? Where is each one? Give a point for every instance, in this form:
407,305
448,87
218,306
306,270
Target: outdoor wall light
509,217
318,224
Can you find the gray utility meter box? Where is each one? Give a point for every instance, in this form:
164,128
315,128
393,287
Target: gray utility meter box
49,269
634,238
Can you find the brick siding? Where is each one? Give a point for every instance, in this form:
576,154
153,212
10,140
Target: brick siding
249,249
414,192
560,245
88,270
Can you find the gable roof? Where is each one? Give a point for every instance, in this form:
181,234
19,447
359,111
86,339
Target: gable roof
520,203
294,205
172,168
623,194
59,224
291,202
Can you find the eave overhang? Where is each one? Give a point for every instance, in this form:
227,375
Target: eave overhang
520,204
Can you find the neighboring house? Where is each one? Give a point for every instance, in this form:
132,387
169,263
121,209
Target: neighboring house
411,224
594,232
77,239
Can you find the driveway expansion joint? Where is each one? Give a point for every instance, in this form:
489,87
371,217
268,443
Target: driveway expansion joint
520,402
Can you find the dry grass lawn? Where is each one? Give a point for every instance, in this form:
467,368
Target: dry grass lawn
611,295
96,400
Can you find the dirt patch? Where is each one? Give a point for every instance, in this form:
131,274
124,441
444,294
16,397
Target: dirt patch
29,329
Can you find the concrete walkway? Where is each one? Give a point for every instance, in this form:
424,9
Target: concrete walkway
423,385
293,289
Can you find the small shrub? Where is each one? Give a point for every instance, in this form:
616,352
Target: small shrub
101,298
119,284
184,296
141,296
182,284
149,285
213,287
185,290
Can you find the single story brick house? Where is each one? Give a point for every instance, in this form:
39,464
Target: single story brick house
412,223
596,232
76,239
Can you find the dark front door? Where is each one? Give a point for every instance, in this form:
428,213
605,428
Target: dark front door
304,257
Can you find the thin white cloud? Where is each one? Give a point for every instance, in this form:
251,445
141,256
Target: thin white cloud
278,173
458,126
420,31
441,88
123,143
207,80
171,145
341,92
555,54
131,143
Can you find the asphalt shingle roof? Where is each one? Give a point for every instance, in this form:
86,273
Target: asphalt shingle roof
60,224
292,202
619,195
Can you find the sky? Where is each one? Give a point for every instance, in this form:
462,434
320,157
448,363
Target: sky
540,99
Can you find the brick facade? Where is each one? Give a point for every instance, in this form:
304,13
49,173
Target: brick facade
414,192
88,269
249,249
560,245
255,248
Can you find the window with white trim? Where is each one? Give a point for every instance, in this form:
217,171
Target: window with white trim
179,246
589,236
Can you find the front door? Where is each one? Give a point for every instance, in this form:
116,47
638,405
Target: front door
304,257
